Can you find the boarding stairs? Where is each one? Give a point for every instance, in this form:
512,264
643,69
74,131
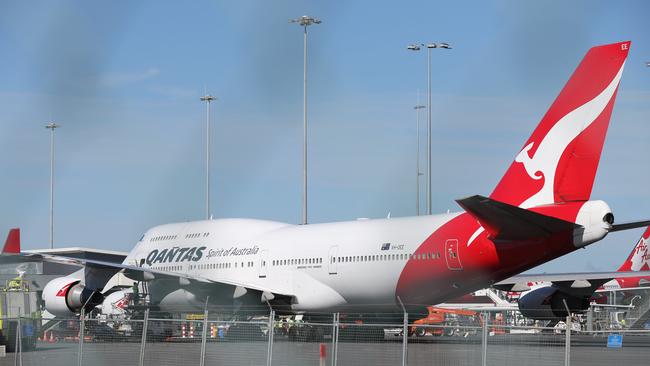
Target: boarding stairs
640,314
494,296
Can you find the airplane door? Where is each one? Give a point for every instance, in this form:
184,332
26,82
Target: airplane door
334,250
263,263
451,255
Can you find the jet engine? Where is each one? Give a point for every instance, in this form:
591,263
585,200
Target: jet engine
65,296
548,303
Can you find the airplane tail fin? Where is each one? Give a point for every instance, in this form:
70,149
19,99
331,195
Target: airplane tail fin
12,245
638,260
558,163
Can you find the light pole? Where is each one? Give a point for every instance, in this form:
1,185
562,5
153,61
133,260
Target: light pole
207,98
304,21
52,126
417,108
429,46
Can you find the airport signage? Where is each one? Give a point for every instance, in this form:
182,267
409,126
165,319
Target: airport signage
614,341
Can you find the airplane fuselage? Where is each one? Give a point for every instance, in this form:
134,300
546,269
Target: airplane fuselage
364,263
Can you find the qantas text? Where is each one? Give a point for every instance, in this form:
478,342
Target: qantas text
175,254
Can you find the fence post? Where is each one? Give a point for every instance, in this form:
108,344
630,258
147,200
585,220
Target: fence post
405,338
484,338
204,333
567,344
269,350
335,338
82,328
143,342
405,333
18,348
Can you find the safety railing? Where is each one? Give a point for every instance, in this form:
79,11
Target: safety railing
212,338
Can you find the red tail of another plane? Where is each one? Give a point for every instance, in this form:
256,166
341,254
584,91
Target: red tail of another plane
638,259
558,162
12,245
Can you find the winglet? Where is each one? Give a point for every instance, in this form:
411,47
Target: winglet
12,245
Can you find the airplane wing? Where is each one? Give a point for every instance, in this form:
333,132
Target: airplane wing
103,271
588,281
626,289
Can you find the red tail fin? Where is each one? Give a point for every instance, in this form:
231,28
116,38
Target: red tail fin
12,245
558,162
638,259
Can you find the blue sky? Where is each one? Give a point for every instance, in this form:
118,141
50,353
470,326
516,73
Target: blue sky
123,79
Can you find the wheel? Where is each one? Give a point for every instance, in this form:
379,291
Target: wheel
420,332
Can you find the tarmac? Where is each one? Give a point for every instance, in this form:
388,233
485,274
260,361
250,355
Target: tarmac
457,351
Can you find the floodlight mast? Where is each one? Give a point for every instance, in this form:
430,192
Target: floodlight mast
208,99
52,126
304,21
417,108
429,46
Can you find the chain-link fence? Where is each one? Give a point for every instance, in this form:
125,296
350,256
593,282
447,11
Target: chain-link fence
212,338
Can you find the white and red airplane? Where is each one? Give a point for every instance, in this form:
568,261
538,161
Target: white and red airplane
579,289
539,211
638,260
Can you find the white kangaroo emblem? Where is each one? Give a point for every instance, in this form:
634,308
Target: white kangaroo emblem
543,163
549,151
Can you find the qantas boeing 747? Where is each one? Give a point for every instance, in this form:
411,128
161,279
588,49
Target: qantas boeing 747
540,210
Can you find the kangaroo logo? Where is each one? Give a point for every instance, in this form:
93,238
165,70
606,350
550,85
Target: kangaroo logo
544,162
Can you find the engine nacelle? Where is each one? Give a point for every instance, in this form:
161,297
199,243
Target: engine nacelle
65,296
596,218
547,303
